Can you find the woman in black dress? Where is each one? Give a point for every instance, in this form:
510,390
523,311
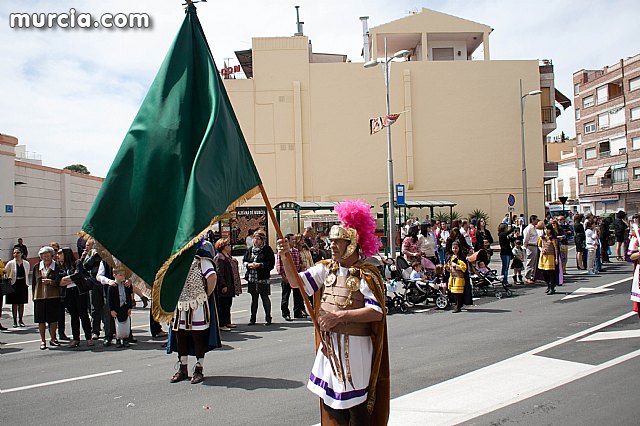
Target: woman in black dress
259,260
580,238
18,270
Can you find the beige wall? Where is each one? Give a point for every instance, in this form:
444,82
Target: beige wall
307,127
51,205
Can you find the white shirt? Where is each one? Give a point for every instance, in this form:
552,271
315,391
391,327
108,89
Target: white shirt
530,235
592,238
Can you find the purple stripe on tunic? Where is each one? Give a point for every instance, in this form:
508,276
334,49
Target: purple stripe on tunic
338,396
371,302
633,293
194,322
206,273
311,281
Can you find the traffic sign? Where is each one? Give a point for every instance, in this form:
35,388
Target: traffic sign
511,199
400,194
511,209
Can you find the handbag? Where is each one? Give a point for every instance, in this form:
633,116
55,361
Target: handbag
6,287
83,284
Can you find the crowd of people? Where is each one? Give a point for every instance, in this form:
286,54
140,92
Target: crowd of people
538,251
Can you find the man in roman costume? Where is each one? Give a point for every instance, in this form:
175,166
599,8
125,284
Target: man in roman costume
351,369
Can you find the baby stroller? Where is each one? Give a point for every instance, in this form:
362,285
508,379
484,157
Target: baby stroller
394,286
488,280
430,289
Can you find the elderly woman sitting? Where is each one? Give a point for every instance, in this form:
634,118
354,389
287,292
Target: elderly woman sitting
47,276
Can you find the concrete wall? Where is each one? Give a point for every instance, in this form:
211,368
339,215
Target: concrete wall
51,205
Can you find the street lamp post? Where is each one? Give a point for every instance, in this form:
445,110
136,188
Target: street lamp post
392,211
525,197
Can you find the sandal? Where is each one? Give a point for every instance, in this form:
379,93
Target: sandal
43,346
54,342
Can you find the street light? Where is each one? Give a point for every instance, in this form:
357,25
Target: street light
392,212
525,197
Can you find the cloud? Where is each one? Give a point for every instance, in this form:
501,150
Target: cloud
71,95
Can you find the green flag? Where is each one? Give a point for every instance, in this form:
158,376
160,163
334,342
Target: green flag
183,164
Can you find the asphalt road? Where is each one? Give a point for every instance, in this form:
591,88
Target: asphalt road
259,375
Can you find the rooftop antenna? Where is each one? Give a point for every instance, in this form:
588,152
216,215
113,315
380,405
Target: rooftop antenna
299,24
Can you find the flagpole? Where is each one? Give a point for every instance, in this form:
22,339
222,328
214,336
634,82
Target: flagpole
289,260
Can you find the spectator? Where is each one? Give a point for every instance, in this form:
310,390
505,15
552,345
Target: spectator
591,243
62,315
311,241
81,244
410,245
579,236
120,305
548,259
518,262
225,287
106,278
89,264
298,303
427,242
76,302
258,262
456,267
23,249
620,229
530,243
442,242
482,234
2,328
563,231
18,269
46,295
505,237
604,235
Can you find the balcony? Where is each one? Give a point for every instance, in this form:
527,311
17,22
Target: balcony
550,170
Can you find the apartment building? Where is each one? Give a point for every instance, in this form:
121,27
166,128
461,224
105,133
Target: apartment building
607,108
563,153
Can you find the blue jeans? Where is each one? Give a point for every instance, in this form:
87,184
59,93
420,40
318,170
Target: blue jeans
506,258
441,255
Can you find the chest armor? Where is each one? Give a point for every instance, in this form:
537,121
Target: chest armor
194,291
342,293
547,247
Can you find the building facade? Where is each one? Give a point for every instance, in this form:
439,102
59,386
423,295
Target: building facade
565,155
40,204
607,105
306,118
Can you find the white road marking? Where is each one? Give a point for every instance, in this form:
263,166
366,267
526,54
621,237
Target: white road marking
516,378
56,382
583,291
419,311
610,335
21,343
237,312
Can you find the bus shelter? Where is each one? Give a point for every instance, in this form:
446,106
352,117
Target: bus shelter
401,214
298,208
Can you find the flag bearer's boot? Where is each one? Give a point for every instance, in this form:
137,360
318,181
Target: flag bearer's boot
181,374
197,375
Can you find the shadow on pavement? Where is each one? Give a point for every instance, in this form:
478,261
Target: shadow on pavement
488,311
251,383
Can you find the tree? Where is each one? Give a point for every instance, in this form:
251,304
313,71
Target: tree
78,168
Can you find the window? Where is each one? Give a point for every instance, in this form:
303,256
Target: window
589,154
576,89
635,113
602,94
618,145
577,113
616,117
619,173
581,190
603,121
635,142
579,163
592,180
605,149
587,102
634,84
442,53
636,173
548,195
590,127
579,138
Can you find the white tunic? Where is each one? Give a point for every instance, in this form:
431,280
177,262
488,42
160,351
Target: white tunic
198,320
322,381
634,243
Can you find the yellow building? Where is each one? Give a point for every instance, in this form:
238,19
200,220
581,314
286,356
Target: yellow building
306,118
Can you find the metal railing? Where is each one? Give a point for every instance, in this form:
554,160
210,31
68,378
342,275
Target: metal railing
548,115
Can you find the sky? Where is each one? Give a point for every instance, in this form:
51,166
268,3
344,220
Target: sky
70,95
